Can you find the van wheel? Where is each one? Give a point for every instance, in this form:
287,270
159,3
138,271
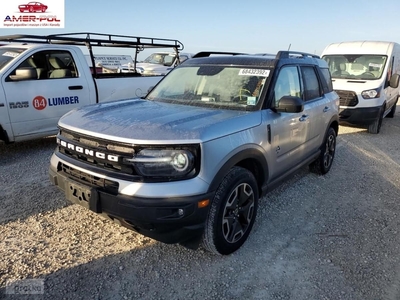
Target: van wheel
232,212
392,111
376,126
324,162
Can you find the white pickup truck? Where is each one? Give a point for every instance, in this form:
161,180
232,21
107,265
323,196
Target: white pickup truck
44,77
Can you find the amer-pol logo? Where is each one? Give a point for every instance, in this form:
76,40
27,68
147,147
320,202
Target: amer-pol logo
16,13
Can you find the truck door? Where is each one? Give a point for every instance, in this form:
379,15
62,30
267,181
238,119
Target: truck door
4,118
40,90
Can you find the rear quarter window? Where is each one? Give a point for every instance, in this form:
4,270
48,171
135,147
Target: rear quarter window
326,80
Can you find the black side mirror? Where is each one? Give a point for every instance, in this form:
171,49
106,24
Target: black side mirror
290,104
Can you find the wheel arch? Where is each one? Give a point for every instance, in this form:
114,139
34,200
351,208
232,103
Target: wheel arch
334,123
4,135
250,159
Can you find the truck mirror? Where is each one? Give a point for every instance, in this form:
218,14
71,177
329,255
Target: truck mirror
24,74
394,81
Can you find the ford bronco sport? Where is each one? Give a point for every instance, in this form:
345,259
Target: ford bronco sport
189,162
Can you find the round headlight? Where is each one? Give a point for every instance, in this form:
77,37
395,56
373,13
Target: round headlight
180,161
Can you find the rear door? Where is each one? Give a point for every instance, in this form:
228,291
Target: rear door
36,104
317,106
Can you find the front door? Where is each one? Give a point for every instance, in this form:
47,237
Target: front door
289,131
35,105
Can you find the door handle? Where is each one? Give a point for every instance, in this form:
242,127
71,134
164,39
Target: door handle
75,87
326,109
303,118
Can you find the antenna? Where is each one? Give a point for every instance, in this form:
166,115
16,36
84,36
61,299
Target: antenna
289,47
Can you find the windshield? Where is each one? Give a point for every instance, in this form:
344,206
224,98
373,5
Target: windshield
213,86
365,67
164,59
8,54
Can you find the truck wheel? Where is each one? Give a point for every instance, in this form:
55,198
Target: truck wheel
232,212
376,126
324,162
392,111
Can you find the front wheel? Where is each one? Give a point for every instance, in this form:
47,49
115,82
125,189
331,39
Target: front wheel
232,212
392,111
376,126
324,162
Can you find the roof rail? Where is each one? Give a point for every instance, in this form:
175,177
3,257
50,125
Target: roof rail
288,54
95,39
209,53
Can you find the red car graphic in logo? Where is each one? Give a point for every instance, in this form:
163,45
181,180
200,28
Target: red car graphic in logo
32,7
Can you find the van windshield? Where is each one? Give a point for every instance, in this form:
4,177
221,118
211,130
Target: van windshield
353,66
212,86
7,54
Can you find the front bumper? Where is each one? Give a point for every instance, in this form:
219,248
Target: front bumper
359,116
169,220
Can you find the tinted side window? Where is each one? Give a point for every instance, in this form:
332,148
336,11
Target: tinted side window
311,83
287,84
326,80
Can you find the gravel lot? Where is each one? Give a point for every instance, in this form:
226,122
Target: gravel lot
316,237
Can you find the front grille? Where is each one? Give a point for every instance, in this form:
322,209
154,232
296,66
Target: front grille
113,158
347,98
94,181
106,155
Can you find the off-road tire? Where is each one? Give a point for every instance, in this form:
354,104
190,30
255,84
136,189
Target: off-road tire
323,163
232,213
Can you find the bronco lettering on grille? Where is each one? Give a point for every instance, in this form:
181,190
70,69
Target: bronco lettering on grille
89,152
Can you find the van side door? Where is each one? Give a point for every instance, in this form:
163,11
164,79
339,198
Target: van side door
41,89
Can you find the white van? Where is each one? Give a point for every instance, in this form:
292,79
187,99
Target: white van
365,74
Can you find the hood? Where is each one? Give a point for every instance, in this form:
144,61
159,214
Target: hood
149,122
356,86
154,68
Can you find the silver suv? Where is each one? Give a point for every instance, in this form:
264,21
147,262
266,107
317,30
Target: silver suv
188,163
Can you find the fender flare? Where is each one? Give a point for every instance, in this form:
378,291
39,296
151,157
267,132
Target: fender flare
251,159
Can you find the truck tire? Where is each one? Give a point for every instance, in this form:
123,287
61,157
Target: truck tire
392,111
232,213
376,126
323,163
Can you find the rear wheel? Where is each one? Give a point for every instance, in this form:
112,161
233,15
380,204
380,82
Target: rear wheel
232,212
376,126
324,162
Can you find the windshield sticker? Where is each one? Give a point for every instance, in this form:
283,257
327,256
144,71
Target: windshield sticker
251,100
10,54
254,72
374,65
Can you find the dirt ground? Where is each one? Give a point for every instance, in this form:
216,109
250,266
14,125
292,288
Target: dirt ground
315,237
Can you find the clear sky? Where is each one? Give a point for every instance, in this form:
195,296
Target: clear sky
251,26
